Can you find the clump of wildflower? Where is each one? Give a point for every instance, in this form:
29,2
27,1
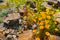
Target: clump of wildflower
47,33
41,27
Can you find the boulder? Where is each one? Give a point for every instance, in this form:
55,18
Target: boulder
12,16
13,24
12,21
26,35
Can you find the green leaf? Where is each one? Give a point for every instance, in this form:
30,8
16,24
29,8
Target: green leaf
1,19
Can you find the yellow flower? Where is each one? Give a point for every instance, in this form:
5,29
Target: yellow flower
55,22
38,32
56,29
43,14
37,38
52,12
47,33
34,20
47,26
42,23
39,18
48,17
47,10
57,10
41,27
46,21
34,31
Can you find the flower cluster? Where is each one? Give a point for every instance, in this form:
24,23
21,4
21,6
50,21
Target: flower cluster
46,25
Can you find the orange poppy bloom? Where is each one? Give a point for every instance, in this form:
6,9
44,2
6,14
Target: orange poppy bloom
43,14
37,38
34,31
46,21
42,23
48,17
47,26
39,18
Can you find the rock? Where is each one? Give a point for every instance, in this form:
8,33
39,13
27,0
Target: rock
12,21
2,29
57,17
12,16
1,24
11,37
10,31
57,5
33,5
1,1
53,37
49,3
54,1
2,36
13,24
59,0
26,35
23,10
46,5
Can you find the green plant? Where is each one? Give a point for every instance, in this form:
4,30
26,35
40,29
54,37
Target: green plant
1,19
